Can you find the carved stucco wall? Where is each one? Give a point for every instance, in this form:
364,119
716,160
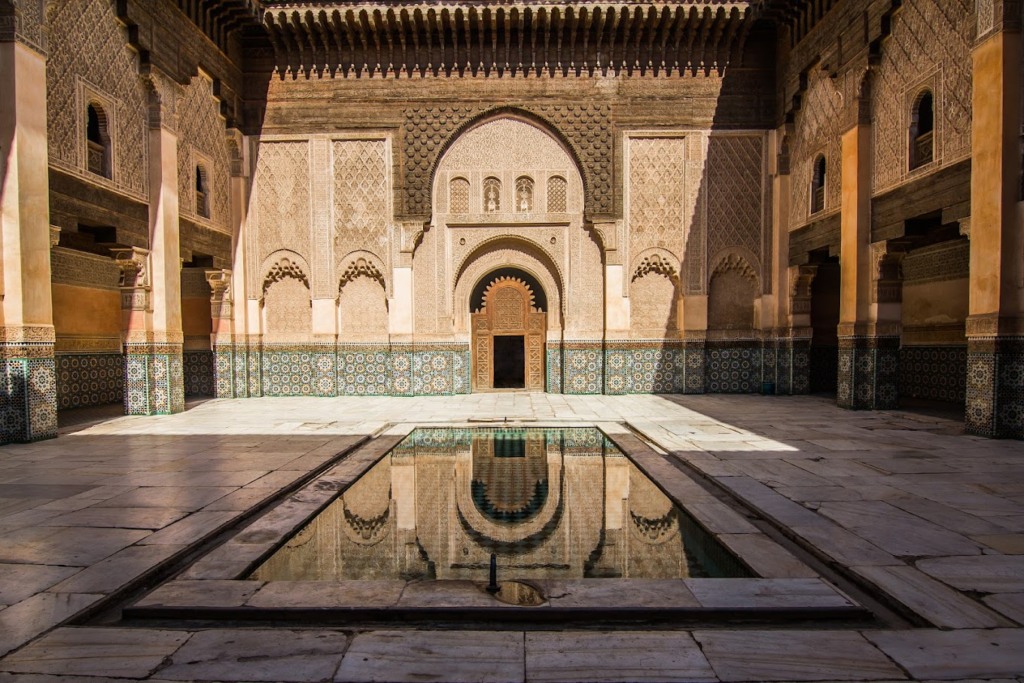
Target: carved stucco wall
816,132
697,195
428,131
508,149
280,216
363,310
201,140
362,198
91,60
930,47
325,198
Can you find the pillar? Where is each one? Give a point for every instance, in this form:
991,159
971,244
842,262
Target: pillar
222,336
995,322
868,352
153,340
28,386
789,306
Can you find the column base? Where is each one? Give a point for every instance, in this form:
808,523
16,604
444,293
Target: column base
995,387
28,395
154,381
786,364
868,373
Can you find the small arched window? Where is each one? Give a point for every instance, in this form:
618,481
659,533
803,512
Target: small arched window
557,190
202,192
922,129
458,196
524,194
97,135
818,185
492,195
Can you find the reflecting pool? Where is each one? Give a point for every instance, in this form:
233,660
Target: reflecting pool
549,503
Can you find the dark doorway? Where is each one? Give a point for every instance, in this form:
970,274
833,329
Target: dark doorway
824,320
509,362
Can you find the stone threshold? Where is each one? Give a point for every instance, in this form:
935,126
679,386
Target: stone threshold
584,600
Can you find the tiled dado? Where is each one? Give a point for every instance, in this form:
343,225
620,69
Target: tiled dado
786,362
28,392
154,379
198,368
868,373
734,367
89,379
995,387
342,370
938,373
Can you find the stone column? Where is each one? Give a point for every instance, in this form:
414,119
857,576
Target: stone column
235,350
154,375
995,322
868,354
28,386
222,336
788,307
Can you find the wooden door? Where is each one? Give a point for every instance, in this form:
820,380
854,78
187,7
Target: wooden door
508,310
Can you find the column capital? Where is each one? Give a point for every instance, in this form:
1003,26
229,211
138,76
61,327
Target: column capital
164,94
220,293
135,277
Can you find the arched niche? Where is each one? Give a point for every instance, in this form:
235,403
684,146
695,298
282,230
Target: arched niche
732,291
654,293
507,252
287,305
362,298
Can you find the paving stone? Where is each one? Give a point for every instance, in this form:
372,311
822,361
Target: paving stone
22,622
934,601
1008,544
118,652
615,656
257,655
896,531
120,518
946,655
20,581
602,593
449,593
399,656
65,545
791,655
1009,604
766,557
328,594
985,573
187,498
190,529
118,570
717,518
844,546
766,593
772,504
212,593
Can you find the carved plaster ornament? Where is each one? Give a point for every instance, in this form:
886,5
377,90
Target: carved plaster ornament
658,265
284,268
361,268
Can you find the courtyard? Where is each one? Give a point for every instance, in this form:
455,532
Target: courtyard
916,521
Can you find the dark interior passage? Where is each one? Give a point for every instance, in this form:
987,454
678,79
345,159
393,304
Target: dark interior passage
824,320
509,362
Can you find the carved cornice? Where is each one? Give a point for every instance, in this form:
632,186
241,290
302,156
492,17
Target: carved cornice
416,38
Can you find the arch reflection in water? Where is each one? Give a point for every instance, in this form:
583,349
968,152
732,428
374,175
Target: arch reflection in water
550,503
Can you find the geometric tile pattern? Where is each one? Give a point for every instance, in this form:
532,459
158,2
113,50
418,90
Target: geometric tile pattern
198,373
154,382
938,373
733,368
868,375
89,379
28,393
651,369
358,370
995,387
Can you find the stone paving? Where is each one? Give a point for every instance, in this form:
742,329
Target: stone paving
906,503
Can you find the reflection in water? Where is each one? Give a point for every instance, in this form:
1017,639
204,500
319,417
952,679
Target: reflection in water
551,503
